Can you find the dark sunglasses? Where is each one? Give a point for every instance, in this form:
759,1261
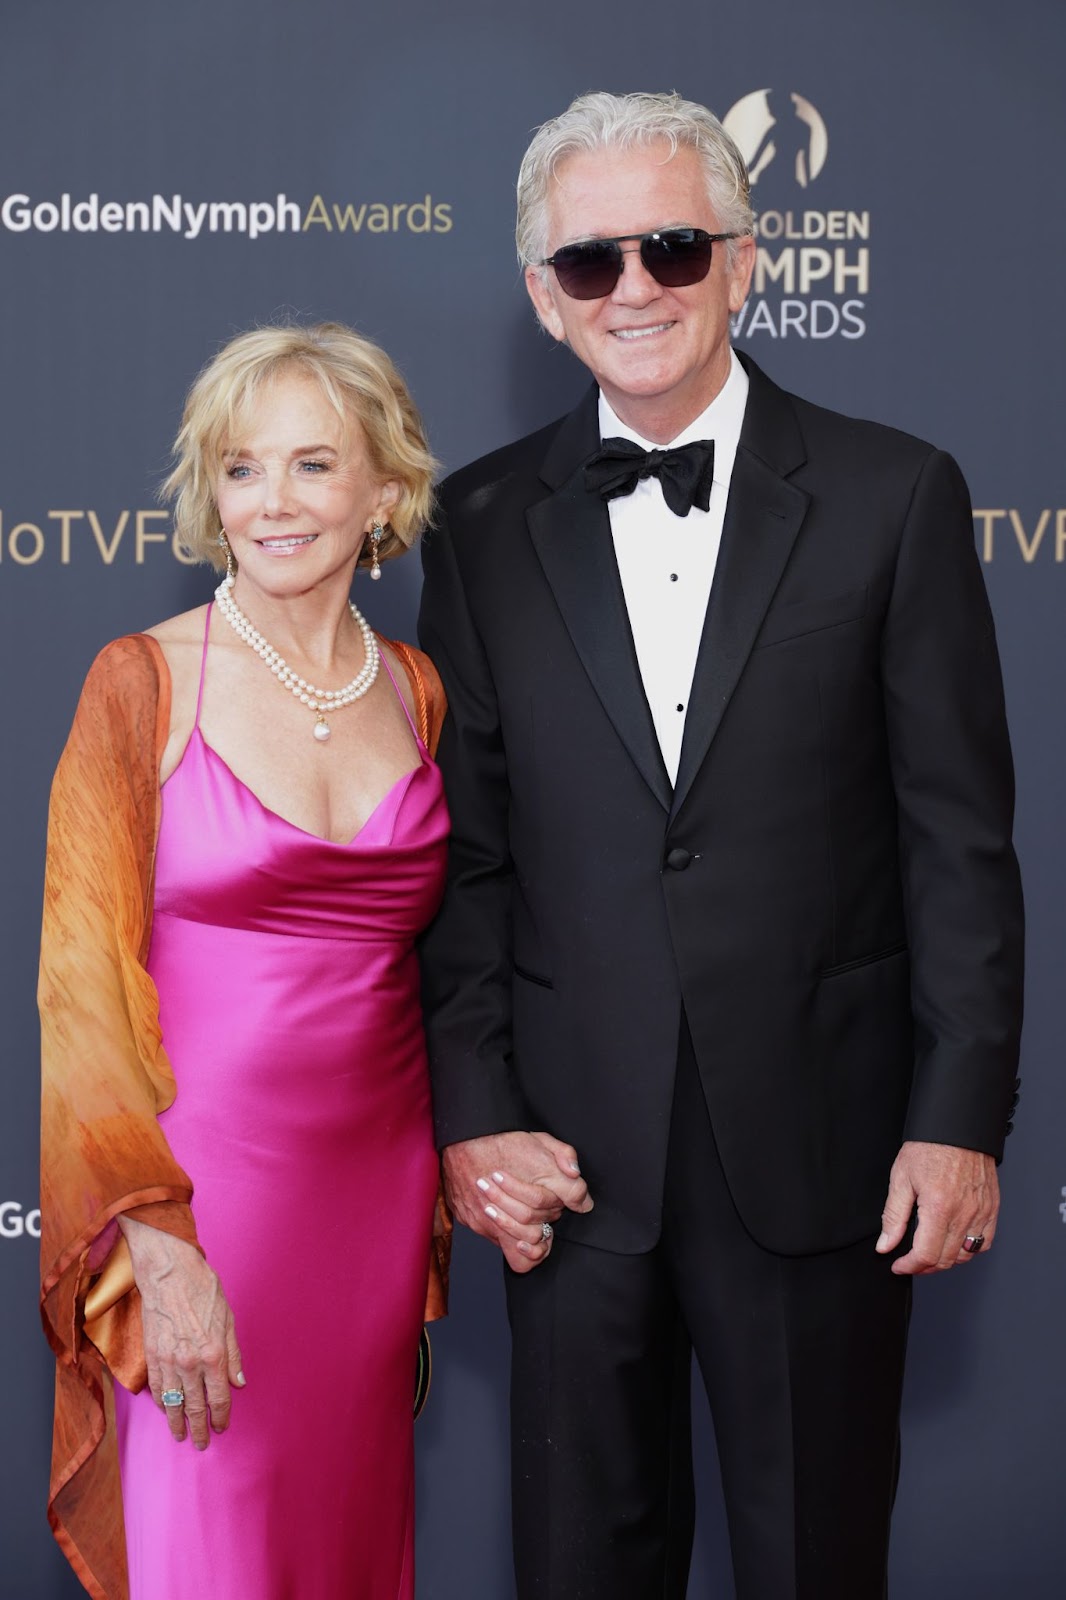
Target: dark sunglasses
675,257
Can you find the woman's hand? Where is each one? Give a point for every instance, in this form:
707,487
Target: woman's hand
189,1340
508,1186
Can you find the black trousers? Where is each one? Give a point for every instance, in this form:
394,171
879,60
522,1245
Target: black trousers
802,1359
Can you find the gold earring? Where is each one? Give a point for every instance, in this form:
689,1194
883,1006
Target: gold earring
376,534
231,565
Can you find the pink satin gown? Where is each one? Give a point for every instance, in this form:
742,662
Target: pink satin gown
289,1003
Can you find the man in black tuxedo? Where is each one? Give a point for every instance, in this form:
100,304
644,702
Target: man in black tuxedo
733,917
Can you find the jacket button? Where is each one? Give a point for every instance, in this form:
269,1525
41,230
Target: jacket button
677,859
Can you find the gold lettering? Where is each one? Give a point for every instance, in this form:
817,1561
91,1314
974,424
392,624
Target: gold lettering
316,212
108,551
143,536
64,518
860,272
442,218
397,212
13,544
1029,547
1060,535
815,263
769,270
987,518
349,217
424,209
378,221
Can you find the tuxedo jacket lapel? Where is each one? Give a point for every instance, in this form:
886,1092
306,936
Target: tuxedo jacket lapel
763,517
571,532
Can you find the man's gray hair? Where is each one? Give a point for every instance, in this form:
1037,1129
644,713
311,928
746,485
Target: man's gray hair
602,121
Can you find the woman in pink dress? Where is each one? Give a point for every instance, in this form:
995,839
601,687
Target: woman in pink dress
236,1272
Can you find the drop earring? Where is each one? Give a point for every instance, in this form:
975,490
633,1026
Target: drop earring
231,565
376,535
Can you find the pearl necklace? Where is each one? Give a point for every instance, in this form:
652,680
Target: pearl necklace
308,694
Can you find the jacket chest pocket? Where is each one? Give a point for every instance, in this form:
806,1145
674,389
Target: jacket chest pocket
811,616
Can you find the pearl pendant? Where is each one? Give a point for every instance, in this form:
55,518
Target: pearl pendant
322,730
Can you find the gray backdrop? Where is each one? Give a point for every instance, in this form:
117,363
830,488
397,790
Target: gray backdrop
927,133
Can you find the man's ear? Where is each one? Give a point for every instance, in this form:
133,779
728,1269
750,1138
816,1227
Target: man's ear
740,274
544,302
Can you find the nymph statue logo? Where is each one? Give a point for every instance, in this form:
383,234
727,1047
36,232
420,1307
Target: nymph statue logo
769,126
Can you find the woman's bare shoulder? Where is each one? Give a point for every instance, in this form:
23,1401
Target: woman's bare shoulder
186,628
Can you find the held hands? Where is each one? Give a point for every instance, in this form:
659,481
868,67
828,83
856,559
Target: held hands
507,1185
957,1195
189,1342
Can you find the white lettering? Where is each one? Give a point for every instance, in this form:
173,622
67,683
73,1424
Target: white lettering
230,212
818,330
288,209
13,1224
171,214
194,216
15,213
260,218
86,215
856,326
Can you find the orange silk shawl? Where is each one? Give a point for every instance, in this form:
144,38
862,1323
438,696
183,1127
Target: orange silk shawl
105,1078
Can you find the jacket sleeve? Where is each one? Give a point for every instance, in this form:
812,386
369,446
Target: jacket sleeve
466,954
954,786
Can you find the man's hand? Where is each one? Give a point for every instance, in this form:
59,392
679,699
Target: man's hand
956,1192
507,1185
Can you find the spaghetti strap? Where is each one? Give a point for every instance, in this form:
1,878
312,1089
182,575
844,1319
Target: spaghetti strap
203,663
400,697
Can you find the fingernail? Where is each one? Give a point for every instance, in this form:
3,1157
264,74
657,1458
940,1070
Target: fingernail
490,1211
525,1248
241,1379
497,1177
483,1183
882,1242
574,1168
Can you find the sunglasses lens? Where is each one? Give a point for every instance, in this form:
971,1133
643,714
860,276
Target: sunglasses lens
588,271
678,256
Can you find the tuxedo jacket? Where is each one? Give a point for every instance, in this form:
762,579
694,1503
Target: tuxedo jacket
828,891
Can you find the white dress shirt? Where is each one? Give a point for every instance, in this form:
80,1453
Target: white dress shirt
667,562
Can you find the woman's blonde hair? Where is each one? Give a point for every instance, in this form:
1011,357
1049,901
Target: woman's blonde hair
359,381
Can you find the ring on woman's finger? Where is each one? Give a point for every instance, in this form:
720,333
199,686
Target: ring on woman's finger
972,1243
547,1232
172,1399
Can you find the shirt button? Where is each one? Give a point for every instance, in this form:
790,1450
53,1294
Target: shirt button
677,859
673,577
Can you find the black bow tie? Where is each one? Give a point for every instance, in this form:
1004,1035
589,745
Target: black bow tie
685,473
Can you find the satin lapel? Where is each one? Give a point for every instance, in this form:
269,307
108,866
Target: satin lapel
571,532
762,520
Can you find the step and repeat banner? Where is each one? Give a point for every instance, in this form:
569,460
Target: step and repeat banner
171,175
